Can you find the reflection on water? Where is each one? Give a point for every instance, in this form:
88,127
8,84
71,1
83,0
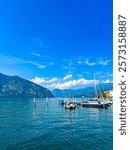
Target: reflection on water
42,124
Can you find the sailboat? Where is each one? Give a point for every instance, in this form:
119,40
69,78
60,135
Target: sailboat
70,104
96,102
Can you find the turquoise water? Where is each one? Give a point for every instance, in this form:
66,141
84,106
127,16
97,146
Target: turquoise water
24,126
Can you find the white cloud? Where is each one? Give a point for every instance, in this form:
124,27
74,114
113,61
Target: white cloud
11,60
35,54
41,81
108,81
80,83
79,62
67,77
38,80
40,55
53,80
14,60
99,61
56,83
104,62
45,81
89,63
70,64
41,66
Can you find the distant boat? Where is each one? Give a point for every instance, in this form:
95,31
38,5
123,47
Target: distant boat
46,99
62,101
34,100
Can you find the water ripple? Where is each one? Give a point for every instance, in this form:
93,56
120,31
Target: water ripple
49,127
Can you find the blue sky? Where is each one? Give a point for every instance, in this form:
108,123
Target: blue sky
57,43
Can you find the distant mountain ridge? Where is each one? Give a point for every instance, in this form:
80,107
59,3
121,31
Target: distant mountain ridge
87,92
15,87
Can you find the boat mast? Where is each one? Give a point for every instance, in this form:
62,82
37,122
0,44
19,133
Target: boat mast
70,94
103,93
95,88
100,92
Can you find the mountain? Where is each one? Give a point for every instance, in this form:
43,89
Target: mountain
15,87
87,92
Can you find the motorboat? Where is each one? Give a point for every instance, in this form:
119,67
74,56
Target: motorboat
95,104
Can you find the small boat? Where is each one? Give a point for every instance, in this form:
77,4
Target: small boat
34,100
70,105
62,102
46,99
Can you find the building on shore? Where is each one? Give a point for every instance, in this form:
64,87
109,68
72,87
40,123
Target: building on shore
109,94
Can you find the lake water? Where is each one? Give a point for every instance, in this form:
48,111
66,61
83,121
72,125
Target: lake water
24,126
